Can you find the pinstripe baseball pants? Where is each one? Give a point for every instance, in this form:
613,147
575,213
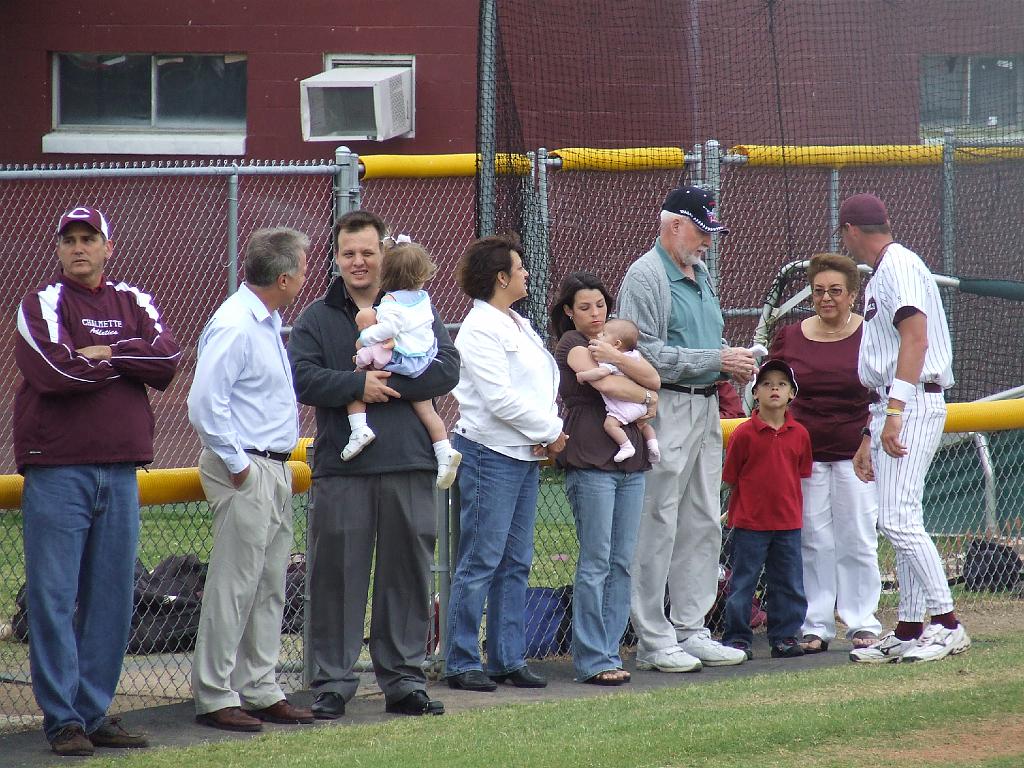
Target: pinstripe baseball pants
924,590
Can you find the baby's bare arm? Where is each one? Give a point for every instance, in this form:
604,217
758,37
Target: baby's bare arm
593,374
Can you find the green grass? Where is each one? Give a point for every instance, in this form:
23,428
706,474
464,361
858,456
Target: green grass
829,718
169,529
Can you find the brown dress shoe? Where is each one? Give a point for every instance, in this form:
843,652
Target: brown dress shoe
111,734
230,719
71,740
282,713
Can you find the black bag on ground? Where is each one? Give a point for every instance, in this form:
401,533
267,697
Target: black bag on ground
989,565
168,602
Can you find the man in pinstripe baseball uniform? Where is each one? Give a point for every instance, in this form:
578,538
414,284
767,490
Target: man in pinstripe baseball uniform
906,361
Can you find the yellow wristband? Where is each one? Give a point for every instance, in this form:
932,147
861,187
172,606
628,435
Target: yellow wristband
893,412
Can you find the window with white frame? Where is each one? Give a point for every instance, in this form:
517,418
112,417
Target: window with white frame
977,96
148,103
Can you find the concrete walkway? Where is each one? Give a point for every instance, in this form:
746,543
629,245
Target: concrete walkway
173,725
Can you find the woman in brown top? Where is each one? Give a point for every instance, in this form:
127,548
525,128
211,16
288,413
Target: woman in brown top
606,497
839,540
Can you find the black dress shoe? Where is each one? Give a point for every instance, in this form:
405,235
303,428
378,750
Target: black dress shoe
472,680
521,678
416,703
328,706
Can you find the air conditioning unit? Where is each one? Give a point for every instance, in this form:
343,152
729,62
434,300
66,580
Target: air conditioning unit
358,103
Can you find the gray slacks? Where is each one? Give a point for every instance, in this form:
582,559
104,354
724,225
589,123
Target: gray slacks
351,518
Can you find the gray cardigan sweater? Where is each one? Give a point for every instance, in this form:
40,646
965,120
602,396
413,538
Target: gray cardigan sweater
645,299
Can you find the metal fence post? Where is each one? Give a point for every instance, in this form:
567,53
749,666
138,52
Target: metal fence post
232,233
307,631
713,183
948,202
443,572
535,241
833,209
487,120
347,195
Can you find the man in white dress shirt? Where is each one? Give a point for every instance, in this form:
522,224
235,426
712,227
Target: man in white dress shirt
242,404
906,360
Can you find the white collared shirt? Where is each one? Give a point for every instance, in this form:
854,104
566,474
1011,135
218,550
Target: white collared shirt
507,383
242,394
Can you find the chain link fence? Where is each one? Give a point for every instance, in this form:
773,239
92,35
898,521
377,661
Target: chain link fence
177,233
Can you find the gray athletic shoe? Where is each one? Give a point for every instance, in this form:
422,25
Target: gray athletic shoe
937,642
888,650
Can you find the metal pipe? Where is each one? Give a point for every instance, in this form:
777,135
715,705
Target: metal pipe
442,570
713,183
307,629
232,233
988,472
487,109
948,203
833,209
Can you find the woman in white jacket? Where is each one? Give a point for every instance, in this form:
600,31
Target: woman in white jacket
508,423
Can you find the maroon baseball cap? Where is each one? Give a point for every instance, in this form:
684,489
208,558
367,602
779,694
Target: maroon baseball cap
697,205
85,215
863,210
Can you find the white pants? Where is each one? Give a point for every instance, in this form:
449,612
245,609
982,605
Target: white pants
680,536
243,601
839,543
924,590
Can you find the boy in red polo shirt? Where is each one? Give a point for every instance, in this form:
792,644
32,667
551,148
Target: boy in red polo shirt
767,456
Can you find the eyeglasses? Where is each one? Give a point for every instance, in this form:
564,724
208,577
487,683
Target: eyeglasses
835,292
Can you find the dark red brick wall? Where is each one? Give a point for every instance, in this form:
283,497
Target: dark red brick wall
285,43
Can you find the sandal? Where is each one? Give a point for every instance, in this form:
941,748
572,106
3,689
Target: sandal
813,644
608,677
863,638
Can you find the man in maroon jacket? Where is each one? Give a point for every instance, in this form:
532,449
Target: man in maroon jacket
86,347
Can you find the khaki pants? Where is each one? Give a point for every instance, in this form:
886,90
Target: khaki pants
243,601
680,537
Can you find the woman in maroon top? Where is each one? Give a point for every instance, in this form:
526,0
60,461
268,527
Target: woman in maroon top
606,497
839,540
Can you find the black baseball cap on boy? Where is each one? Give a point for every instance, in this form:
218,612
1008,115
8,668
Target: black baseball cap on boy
776,365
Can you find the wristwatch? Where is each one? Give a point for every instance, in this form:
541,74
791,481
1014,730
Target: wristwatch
865,432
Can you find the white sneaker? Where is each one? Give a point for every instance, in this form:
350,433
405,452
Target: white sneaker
937,642
447,470
673,659
888,650
357,441
710,652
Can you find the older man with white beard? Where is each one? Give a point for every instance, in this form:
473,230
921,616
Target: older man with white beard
668,293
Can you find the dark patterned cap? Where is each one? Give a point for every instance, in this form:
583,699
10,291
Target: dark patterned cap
696,204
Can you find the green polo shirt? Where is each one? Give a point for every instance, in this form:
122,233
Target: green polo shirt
695,317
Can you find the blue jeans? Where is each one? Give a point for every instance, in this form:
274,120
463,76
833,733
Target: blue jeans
499,506
606,506
778,552
81,534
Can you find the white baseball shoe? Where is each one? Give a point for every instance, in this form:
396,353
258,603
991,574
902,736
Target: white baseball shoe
448,469
937,642
673,659
359,439
888,650
711,653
